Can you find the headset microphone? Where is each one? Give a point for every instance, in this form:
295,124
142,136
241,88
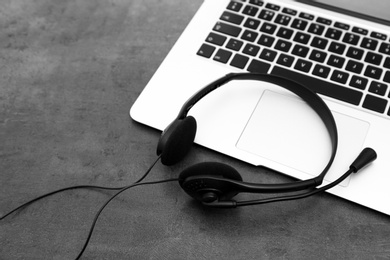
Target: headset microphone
367,156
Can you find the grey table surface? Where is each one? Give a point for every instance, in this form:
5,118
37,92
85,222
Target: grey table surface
69,72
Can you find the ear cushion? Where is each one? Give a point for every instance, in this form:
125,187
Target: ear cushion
193,181
211,169
176,140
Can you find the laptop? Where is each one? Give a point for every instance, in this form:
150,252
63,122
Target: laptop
338,48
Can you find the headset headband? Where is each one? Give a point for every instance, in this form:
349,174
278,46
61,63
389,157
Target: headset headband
310,97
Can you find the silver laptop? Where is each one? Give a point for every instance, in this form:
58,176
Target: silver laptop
339,48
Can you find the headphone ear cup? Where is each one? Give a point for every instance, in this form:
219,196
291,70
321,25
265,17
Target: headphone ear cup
194,183
176,140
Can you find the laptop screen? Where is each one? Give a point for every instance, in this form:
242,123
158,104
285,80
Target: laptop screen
374,10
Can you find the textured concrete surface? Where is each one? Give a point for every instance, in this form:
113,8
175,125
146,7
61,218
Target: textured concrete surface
69,72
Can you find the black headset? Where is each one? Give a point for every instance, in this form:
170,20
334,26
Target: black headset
215,184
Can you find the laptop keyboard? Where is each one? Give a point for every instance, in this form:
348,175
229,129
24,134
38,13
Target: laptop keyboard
338,60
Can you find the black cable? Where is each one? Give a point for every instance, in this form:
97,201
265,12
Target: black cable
97,215
108,201
77,187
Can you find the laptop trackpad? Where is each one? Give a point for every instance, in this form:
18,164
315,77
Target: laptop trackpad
285,130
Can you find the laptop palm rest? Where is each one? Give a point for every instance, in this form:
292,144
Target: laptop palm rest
283,129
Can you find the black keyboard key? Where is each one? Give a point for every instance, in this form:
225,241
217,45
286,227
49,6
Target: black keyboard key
285,33
302,37
249,35
283,19
369,43
268,55
319,43
283,45
343,26
386,64
206,50
358,82
316,29
258,66
234,6
222,56
354,66
387,78
256,2
336,47
289,11
355,53
300,51
332,33
251,49
306,16
303,65
266,40
340,76
385,48
239,61
373,72
351,38
359,30
378,88
324,21
373,58
266,15
299,24
321,71
375,103
227,29
378,35
321,87
252,23
216,39
250,10
319,56
336,61
285,60
234,44
268,28
232,17
273,7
